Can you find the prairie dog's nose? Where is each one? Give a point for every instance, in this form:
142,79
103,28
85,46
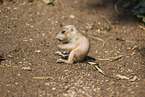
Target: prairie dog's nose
57,37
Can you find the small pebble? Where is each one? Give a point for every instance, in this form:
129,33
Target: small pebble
98,30
72,16
27,68
127,56
43,34
16,83
20,62
38,51
99,23
53,88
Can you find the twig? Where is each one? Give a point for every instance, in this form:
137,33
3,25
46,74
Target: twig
135,47
97,39
106,19
141,27
111,59
102,59
42,78
115,7
24,52
107,35
96,67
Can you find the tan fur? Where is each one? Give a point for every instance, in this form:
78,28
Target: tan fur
75,42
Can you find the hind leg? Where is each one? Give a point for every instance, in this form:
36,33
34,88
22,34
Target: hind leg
70,59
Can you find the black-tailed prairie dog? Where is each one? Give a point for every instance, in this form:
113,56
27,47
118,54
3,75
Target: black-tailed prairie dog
74,42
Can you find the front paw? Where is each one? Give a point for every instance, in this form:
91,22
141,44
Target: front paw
58,53
59,61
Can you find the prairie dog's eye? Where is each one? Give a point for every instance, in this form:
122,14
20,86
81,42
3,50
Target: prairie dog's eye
63,32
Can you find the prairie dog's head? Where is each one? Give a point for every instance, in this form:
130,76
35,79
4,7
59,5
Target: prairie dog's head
67,33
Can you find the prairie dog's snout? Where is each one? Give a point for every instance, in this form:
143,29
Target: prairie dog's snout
67,33
60,36
73,41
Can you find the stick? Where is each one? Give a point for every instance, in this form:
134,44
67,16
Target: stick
24,52
141,27
97,39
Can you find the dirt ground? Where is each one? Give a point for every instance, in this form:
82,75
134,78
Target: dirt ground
28,45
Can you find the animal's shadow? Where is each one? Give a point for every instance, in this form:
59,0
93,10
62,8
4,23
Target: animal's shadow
86,59
1,59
